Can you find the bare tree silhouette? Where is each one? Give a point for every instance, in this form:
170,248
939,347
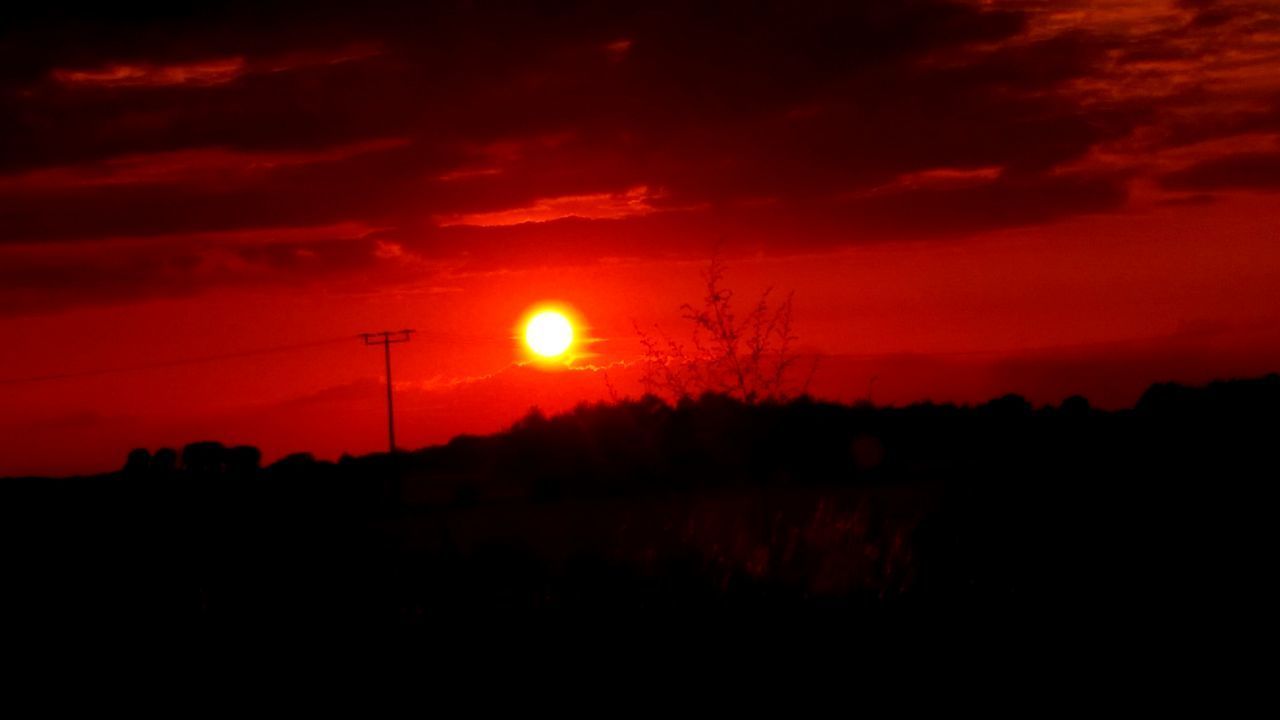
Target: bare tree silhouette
748,357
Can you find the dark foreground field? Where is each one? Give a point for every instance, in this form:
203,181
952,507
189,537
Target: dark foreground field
708,504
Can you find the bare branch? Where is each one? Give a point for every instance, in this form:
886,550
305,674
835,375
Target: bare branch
748,357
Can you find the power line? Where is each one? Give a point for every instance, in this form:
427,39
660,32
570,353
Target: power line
176,362
453,338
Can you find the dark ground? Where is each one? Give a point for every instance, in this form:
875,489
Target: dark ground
710,504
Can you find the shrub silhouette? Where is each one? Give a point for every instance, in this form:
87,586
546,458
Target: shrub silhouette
243,459
138,462
165,460
204,458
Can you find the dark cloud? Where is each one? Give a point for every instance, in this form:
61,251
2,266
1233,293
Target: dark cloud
1008,202
787,125
36,279
202,199
1255,170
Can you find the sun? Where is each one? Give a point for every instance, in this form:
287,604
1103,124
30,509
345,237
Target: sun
548,334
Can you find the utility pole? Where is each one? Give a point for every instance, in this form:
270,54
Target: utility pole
386,338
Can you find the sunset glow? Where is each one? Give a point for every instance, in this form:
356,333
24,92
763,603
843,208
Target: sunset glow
967,198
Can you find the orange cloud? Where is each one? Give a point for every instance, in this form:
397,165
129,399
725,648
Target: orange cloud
468,174
596,206
183,166
213,71
949,177
208,72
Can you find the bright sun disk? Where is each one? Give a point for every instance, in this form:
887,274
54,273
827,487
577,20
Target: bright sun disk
548,333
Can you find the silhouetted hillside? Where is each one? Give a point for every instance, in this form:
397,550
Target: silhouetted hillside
710,502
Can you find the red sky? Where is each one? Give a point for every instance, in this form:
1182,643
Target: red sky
968,199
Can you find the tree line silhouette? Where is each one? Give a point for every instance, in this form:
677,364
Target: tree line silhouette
707,502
